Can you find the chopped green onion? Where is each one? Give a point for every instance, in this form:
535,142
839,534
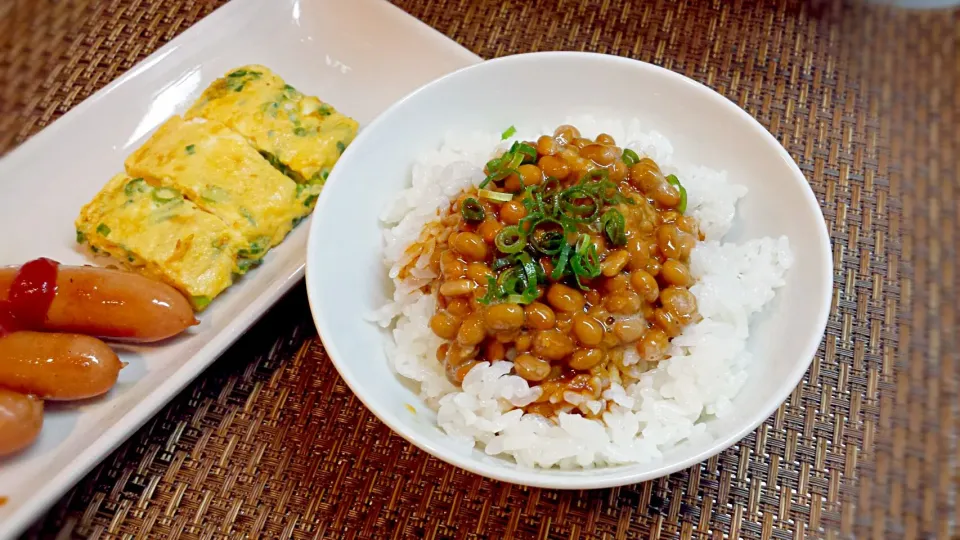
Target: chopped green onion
590,260
81,238
137,185
248,216
547,242
541,274
191,149
550,186
630,158
595,174
103,230
528,222
495,195
215,194
201,302
510,165
598,183
613,224
530,292
529,153
472,211
493,291
528,267
495,163
510,132
583,213
509,279
273,160
674,181
245,265
585,261
510,240
238,73
517,283
529,295
341,147
271,109
548,197
561,264
502,262
165,194
502,167
312,198
255,248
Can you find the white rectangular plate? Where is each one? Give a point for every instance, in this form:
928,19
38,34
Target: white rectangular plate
360,55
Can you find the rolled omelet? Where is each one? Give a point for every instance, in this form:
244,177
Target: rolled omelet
220,172
155,231
300,135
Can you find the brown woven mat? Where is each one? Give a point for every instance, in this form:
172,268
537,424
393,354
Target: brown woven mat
270,443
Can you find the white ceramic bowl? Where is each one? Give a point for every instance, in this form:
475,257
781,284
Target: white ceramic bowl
346,279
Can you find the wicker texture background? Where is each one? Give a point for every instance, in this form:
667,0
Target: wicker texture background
270,443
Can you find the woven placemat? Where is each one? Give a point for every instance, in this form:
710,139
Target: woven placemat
269,442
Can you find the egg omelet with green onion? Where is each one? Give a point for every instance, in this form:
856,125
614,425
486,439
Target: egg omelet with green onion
300,135
206,197
218,170
157,232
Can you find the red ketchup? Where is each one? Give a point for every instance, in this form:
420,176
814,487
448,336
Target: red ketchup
31,295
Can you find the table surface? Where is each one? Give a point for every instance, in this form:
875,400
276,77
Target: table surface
864,99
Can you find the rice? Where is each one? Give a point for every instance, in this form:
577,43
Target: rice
644,415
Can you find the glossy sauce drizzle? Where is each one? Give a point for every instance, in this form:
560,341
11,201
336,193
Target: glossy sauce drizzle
31,294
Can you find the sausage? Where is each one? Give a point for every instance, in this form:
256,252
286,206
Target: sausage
57,366
110,304
21,417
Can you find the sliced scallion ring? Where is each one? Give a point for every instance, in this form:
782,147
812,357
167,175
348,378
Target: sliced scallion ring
595,174
550,186
583,213
674,181
548,242
561,265
495,195
493,291
590,261
501,263
528,152
530,221
510,240
513,280
472,211
529,268
137,185
165,194
516,159
630,158
613,224
585,261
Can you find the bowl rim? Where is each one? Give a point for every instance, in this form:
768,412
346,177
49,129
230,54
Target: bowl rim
544,478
